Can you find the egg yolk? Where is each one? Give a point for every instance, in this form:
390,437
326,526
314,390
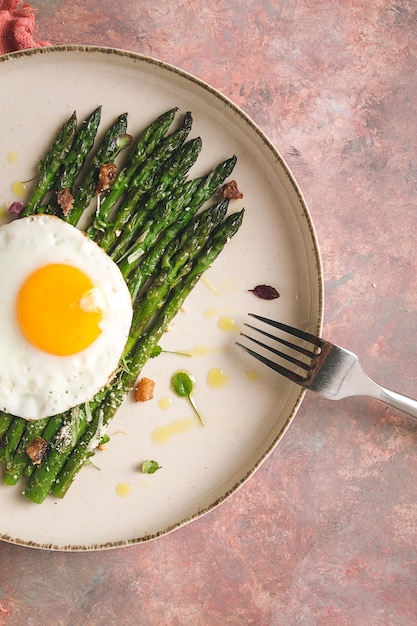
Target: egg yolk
57,311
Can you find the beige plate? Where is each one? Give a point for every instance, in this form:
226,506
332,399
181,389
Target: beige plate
248,414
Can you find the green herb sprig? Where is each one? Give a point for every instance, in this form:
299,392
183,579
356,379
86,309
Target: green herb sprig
183,385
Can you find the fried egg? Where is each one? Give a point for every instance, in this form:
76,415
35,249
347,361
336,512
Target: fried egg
65,315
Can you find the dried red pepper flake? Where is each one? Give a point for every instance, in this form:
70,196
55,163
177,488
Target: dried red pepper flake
16,208
266,292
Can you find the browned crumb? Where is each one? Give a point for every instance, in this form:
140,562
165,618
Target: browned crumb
65,200
231,191
144,389
106,176
36,450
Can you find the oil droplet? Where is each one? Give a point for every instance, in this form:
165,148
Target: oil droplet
123,489
210,286
202,350
252,375
210,313
165,433
216,378
227,324
13,156
19,189
165,403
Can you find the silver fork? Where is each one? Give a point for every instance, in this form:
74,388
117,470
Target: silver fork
329,370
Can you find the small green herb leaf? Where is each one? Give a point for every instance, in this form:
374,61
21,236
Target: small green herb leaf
183,385
150,467
91,464
157,351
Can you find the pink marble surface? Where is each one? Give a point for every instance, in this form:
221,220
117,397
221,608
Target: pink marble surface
325,533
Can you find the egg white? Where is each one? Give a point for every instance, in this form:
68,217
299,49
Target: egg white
33,383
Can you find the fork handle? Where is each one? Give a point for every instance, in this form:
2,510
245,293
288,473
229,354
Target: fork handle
397,400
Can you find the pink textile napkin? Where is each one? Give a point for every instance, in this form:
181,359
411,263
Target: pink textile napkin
17,24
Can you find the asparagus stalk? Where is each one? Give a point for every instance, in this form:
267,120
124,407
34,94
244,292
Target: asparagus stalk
17,462
174,264
138,269
72,426
114,141
12,437
51,429
142,150
157,212
138,265
74,161
49,167
5,419
140,183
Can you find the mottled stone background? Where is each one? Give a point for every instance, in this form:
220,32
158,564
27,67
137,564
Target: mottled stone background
325,533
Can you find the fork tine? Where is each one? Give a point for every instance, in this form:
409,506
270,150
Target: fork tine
296,378
287,357
316,341
300,349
